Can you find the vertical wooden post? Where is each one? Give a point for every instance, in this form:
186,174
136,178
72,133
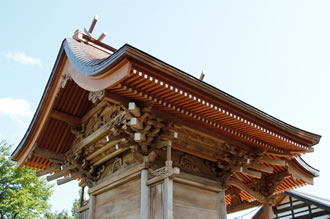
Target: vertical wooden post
82,192
169,151
222,205
168,198
145,195
268,211
91,209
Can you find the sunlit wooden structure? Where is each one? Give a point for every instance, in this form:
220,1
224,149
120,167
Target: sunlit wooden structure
151,141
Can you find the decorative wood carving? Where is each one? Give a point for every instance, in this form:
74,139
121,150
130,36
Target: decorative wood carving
96,95
186,163
116,165
107,132
65,78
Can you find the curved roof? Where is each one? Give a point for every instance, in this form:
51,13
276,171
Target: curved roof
93,62
134,74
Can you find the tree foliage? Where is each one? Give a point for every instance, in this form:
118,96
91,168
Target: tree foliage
64,213
22,194
75,207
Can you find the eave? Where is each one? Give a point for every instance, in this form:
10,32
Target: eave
204,90
43,108
100,73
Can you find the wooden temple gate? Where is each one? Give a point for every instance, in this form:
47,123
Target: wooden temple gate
150,141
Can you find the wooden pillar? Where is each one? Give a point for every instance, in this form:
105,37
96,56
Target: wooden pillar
222,205
168,198
82,192
91,210
268,211
145,195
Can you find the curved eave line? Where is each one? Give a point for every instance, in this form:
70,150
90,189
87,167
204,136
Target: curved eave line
308,168
39,115
88,60
201,85
300,170
95,67
81,57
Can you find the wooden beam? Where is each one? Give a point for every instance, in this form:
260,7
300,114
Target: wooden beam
69,178
109,156
64,117
205,183
160,143
123,177
46,171
246,189
113,98
41,152
57,175
134,109
172,173
267,179
297,173
136,123
114,140
62,172
251,173
261,168
99,133
210,133
193,152
273,162
139,137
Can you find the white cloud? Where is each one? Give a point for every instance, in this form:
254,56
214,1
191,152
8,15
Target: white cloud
18,110
20,57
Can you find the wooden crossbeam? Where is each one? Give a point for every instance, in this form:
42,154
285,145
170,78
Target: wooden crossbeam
69,178
57,175
172,173
109,156
99,133
113,98
136,123
261,168
271,178
41,152
251,173
273,162
72,120
46,171
134,109
246,189
139,137
114,140
62,172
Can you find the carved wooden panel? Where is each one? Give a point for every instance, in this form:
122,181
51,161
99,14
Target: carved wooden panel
188,163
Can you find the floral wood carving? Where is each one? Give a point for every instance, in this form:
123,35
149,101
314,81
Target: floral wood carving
186,163
96,95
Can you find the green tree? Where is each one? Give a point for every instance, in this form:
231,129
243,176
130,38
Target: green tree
75,207
22,194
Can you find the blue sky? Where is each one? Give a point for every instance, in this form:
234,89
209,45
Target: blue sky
273,55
